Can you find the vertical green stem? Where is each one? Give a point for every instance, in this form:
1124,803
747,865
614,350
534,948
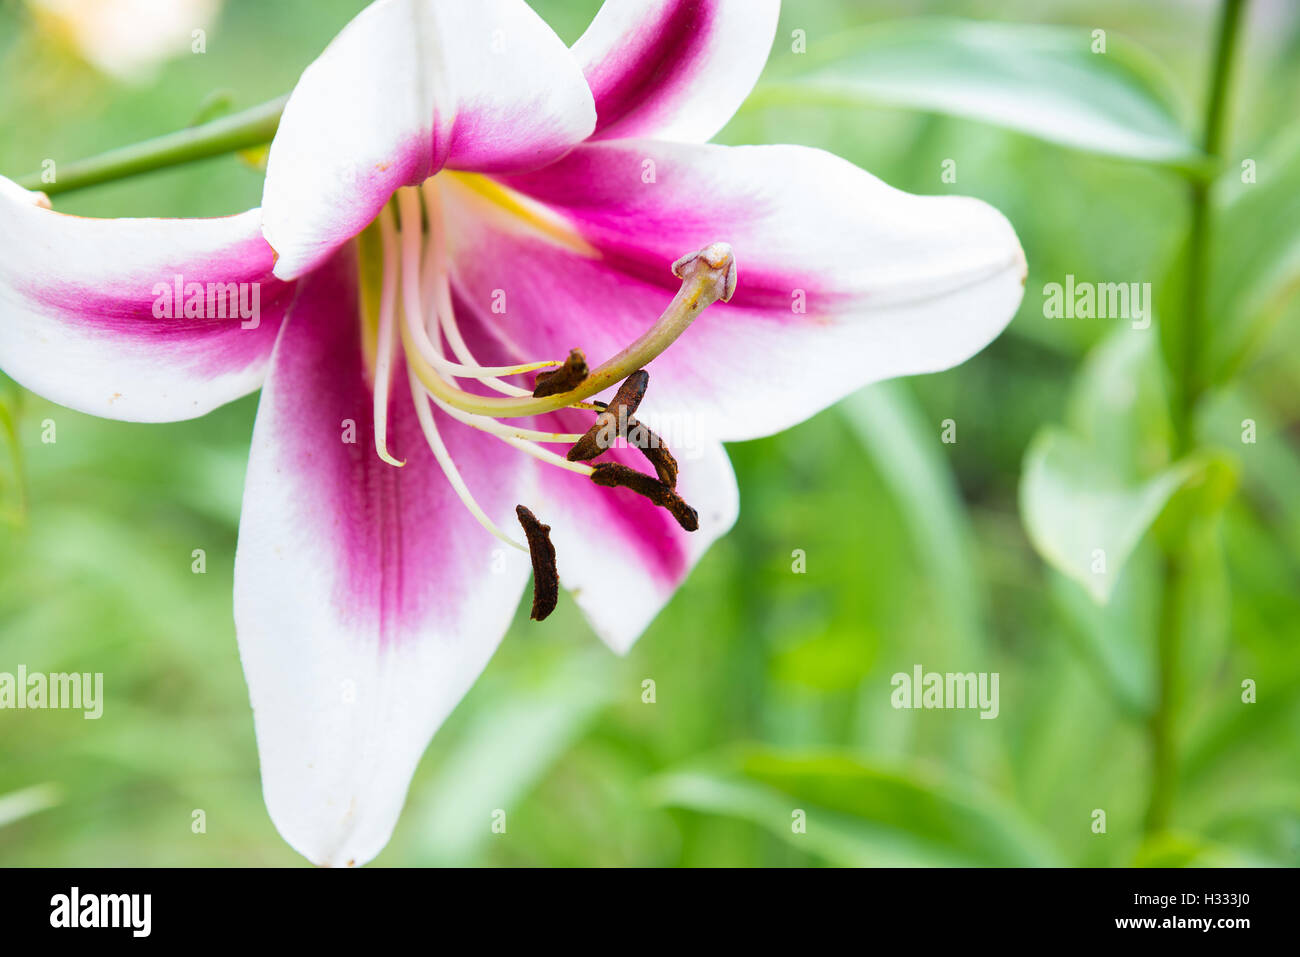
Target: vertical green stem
1193,336
1189,386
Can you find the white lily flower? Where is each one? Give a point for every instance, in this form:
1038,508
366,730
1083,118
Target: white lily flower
541,194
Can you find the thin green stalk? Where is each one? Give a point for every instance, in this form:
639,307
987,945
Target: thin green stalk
252,127
1188,388
1198,264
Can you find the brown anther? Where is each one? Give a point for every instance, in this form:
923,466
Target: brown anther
614,475
564,379
546,577
630,393
613,422
656,453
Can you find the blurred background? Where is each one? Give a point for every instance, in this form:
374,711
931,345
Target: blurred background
772,688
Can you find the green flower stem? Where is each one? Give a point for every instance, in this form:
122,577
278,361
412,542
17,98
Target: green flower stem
1188,390
1198,264
252,127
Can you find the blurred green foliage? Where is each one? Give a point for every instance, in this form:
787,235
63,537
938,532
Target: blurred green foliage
772,688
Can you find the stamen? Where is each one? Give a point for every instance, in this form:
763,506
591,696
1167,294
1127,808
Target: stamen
655,451
612,423
546,576
547,456
519,437
384,350
564,379
430,428
616,419
440,286
614,475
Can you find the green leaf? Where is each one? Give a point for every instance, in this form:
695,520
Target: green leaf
1042,81
1088,494
832,661
1082,515
20,804
1171,849
1118,406
857,814
1114,639
216,104
886,419
1270,463
1255,254
513,738
907,452
1118,403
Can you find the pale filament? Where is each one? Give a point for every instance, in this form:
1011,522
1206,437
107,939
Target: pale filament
439,287
439,450
384,349
408,204
521,438
485,424
435,287
429,425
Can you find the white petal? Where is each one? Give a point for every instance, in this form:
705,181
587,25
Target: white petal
367,599
80,305
842,280
407,88
674,69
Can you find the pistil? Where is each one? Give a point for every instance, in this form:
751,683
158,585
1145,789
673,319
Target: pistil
707,276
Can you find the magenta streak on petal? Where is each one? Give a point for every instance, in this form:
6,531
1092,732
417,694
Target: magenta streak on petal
401,543
657,61
640,228
519,140
121,311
